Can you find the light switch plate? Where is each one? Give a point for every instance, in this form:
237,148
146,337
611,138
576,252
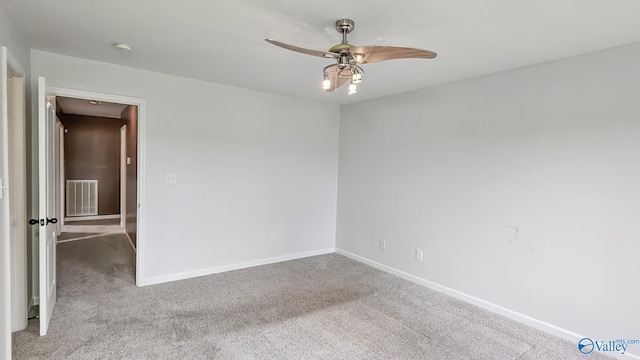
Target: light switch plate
170,178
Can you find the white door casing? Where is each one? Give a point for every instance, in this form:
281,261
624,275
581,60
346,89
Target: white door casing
141,156
123,176
48,230
61,176
5,267
17,193
13,242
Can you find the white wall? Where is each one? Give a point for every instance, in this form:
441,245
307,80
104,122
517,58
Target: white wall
521,187
248,164
11,38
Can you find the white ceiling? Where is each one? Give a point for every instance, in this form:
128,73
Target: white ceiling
83,107
223,41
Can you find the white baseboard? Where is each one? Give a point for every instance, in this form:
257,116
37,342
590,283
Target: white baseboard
243,265
93,217
513,315
34,301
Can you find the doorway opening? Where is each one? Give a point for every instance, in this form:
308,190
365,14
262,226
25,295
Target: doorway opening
97,187
135,169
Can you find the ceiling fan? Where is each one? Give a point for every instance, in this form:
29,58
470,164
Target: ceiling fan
348,57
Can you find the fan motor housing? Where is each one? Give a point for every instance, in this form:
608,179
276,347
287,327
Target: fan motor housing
340,47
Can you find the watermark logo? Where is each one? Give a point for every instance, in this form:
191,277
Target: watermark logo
588,345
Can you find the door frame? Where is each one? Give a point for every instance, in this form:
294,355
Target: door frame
59,174
17,191
123,176
18,196
141,173
13,273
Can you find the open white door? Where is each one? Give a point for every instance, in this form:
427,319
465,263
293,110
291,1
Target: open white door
47,211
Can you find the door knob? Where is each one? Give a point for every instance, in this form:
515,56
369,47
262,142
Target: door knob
41,221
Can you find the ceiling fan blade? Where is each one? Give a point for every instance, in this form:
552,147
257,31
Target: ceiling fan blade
371,54
336,80
324,54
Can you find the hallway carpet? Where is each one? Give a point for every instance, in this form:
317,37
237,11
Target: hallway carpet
82,230
323,307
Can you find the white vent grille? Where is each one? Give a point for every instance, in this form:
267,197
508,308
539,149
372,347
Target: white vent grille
82,197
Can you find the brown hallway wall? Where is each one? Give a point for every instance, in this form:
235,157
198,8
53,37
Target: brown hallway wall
92,152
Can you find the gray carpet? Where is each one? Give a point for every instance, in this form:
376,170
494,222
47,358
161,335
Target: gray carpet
323,307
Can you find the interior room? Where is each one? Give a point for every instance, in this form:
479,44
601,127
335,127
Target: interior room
424,181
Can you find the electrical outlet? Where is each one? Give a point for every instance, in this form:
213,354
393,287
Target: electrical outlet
419,254
383,245
272,238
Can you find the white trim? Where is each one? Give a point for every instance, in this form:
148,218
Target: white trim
61,176
141,193
123,176
5,244
242,265
92,217
35,301
13,177
18,199
513,315
141,129
83,94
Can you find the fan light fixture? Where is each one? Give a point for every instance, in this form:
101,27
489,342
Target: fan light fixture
342,72
353,88
326,83
349,58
